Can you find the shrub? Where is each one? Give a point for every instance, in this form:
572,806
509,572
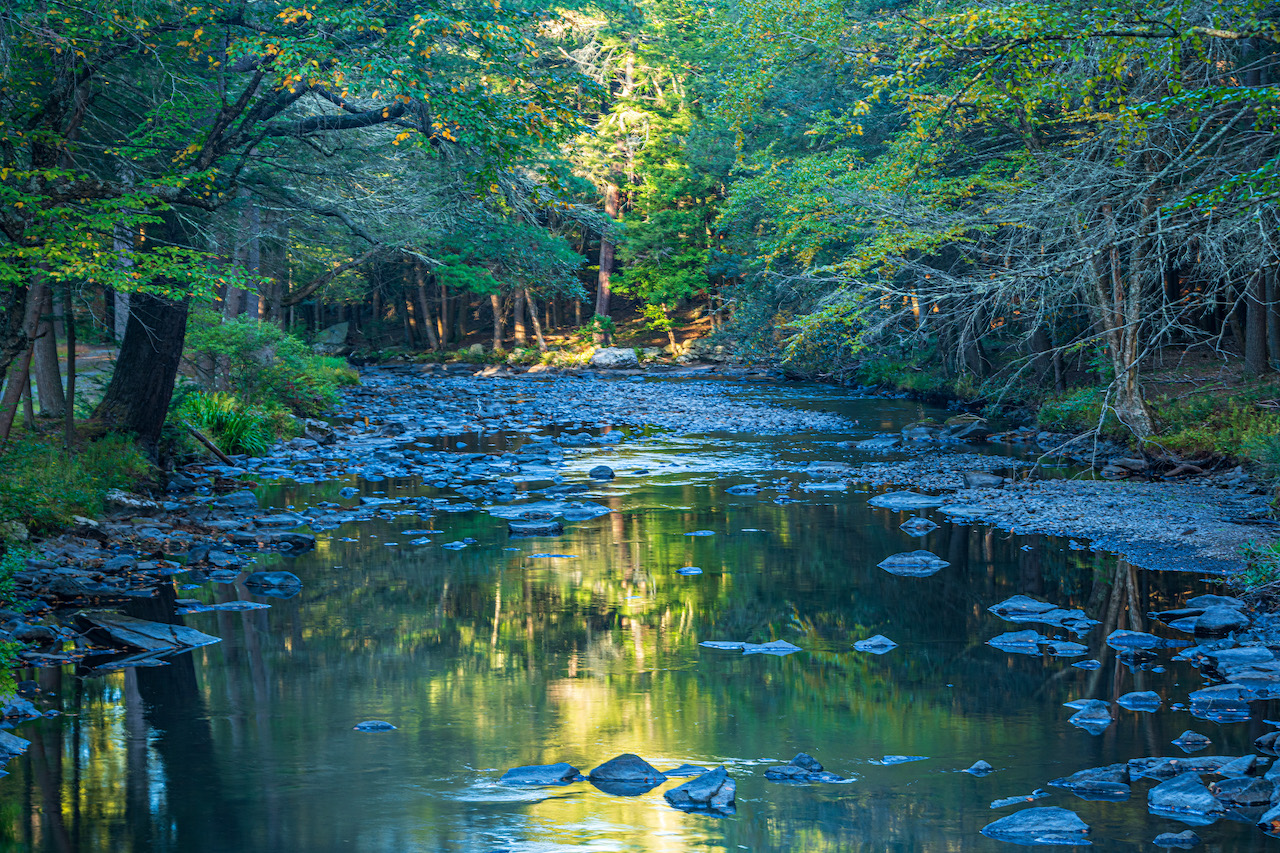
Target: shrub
265,366
44,487
233,426
1233,427
1075,411
1261,567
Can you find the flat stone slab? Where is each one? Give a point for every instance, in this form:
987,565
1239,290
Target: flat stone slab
1039,826
541,774
913,564
906,501
128,631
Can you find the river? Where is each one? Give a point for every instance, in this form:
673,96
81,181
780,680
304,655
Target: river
498,655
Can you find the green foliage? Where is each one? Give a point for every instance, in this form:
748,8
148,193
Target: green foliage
1261,567
44,487
1075,411
233,426
264,366
1233,427
13,561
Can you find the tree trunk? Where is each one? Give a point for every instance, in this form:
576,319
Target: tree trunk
405,305
69,412
495,303
464,307
533,317
444,317
137,400
428,322
1255,336
1273,317
28,408
19,375
521,338
45,362
603,286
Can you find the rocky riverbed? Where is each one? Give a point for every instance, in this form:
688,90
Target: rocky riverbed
532,453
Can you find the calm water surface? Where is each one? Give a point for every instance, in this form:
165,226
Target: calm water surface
492,657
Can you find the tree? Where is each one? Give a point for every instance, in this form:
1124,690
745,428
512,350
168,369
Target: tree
188,101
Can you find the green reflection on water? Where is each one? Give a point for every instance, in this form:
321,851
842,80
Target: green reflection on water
487,658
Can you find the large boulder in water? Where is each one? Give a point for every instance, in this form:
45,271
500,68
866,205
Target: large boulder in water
626,775
711,792
614,358
541,774
1184,794
1046,825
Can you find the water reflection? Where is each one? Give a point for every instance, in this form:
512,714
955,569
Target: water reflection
487,658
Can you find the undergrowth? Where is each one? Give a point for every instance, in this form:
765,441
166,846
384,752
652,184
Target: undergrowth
43,486
232,425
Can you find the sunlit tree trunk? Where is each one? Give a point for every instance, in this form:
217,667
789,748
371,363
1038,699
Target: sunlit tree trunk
521,337
495,303
533,317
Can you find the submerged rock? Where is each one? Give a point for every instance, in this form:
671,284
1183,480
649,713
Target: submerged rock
1191,741
1110,783
890,760
1019,642
541,774
1045,825
518,529
1024,608
1126,640
374,726
877,645
1038,794
918,526
685,770
1168,768
802,768
1184,840
774,647
278,584
1094,716
914,564
712,792
1144,700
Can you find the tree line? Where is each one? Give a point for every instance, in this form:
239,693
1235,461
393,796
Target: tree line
1013,195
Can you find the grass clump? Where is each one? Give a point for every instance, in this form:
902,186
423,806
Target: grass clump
43,487
233,426
1260,576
